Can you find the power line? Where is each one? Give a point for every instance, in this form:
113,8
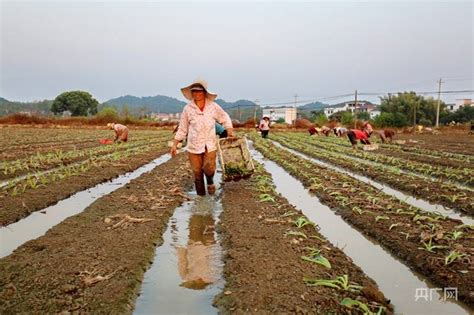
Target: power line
334,97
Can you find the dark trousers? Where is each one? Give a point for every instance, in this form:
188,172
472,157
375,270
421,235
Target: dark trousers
265,133
352,137
203,164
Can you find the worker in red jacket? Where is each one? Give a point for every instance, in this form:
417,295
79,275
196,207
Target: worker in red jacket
355,134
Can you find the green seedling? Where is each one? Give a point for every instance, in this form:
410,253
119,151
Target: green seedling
381,217
341,283
316,257
360,211
452,257
302,221
288,214
430,247
455,235
266,198
452,198
350,303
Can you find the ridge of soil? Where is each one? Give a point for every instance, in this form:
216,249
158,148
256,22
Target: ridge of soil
17,207
437,192
404,241
49,274
263,267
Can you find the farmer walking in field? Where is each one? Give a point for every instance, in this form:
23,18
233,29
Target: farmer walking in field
265,126
121,132
198,124
355,134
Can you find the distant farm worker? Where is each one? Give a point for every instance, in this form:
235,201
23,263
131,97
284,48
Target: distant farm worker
355,134
385,135
121,132
220,131
265,126
367,128
312,131
325,130
340,131
198,123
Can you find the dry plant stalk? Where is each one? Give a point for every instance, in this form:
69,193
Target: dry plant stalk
91,278
126,220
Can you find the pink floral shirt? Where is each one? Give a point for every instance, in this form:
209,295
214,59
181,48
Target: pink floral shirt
120,130
199,126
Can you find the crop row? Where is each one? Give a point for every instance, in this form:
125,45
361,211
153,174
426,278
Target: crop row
439,247
33,138
325,270
461,174
411,149
15,187
444,193
49,160
19,137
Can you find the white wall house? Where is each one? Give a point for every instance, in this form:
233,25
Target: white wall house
459,103
275,113
453,107
350,106
374,113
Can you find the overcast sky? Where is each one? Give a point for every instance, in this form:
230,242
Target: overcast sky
253,50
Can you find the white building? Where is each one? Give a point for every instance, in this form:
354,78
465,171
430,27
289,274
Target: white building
165,116
349,106
275,113
459,103
374,113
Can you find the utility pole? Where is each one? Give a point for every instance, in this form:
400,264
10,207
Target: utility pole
240,116
439,102
355,110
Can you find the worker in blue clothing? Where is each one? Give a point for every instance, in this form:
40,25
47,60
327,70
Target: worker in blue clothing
220,131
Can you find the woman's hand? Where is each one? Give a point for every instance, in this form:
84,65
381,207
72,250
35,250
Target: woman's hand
230,133
173,151
174,148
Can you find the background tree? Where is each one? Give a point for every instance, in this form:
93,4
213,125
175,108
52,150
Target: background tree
109,114
79,103
463,115
414,107
390,120
347,118
321,120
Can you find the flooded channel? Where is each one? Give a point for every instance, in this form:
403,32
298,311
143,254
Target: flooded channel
419,203
38,222
394,279
187,270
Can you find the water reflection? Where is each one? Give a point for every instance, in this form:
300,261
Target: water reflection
187,270
195,259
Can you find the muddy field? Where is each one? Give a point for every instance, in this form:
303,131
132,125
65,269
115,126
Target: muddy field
447,142
144,235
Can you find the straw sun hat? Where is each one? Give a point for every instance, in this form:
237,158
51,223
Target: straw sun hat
198,85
